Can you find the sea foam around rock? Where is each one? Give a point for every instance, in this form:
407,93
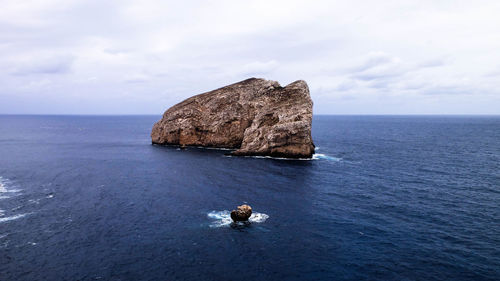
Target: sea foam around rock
223,218
316,156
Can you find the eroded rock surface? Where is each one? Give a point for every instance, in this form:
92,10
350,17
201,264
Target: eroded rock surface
254,116
242,213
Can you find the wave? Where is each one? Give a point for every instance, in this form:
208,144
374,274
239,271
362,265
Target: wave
315,156
3,188
320,156
223,218
2,185
15,217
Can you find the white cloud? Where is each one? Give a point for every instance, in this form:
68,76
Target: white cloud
259,68
50,65
137,78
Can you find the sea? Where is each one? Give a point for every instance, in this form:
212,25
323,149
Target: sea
384,198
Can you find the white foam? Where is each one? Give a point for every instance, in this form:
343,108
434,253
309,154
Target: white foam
3,188
315,156
258,217
320,156
15,217
280,158
223,218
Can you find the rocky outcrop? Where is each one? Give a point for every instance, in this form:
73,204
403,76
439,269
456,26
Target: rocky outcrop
242,213
254,117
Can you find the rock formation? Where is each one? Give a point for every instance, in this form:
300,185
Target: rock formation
242,213
254,117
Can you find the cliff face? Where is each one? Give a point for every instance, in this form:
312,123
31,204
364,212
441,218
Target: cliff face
254,116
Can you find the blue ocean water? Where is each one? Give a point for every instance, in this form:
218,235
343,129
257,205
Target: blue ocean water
386,198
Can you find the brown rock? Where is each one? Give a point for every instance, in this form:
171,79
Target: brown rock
254,116
242,213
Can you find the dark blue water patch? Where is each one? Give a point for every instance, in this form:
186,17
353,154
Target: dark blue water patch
388,198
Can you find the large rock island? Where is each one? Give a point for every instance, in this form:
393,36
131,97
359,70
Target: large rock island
254,117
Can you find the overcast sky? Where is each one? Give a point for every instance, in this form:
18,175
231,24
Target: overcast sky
141,57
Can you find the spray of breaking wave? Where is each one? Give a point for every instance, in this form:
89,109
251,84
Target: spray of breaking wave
223,218
320,156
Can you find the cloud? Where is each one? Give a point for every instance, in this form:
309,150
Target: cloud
373,60
53,65
346,86
259,68
492,73
432,63
156,53
377,66
137,78
447,90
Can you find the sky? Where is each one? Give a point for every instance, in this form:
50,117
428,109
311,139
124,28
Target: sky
141,57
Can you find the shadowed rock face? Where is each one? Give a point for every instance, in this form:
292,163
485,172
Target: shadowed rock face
254,116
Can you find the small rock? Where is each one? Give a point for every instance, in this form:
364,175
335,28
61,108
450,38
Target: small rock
242,213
